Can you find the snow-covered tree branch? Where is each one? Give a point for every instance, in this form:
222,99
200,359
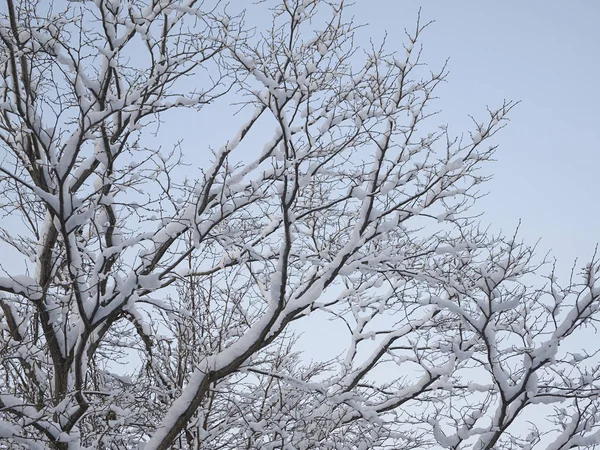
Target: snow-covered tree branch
146,306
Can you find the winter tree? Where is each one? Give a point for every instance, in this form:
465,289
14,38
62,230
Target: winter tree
150,304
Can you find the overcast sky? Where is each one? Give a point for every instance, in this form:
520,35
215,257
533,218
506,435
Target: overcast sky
545,54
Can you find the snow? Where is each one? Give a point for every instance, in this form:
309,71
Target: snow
359,193
7,430
448,249
246,60
22,285
24,36
322,48
546,351
453,166
268,82
349,257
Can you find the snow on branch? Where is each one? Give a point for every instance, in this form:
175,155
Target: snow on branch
313,280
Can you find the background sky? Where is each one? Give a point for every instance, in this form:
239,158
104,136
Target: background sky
545,54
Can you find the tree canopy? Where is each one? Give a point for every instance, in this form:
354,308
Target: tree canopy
155,298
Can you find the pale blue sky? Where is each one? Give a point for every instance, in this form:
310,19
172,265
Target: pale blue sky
546,54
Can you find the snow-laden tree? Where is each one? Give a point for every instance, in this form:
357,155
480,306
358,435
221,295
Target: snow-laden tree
148,304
